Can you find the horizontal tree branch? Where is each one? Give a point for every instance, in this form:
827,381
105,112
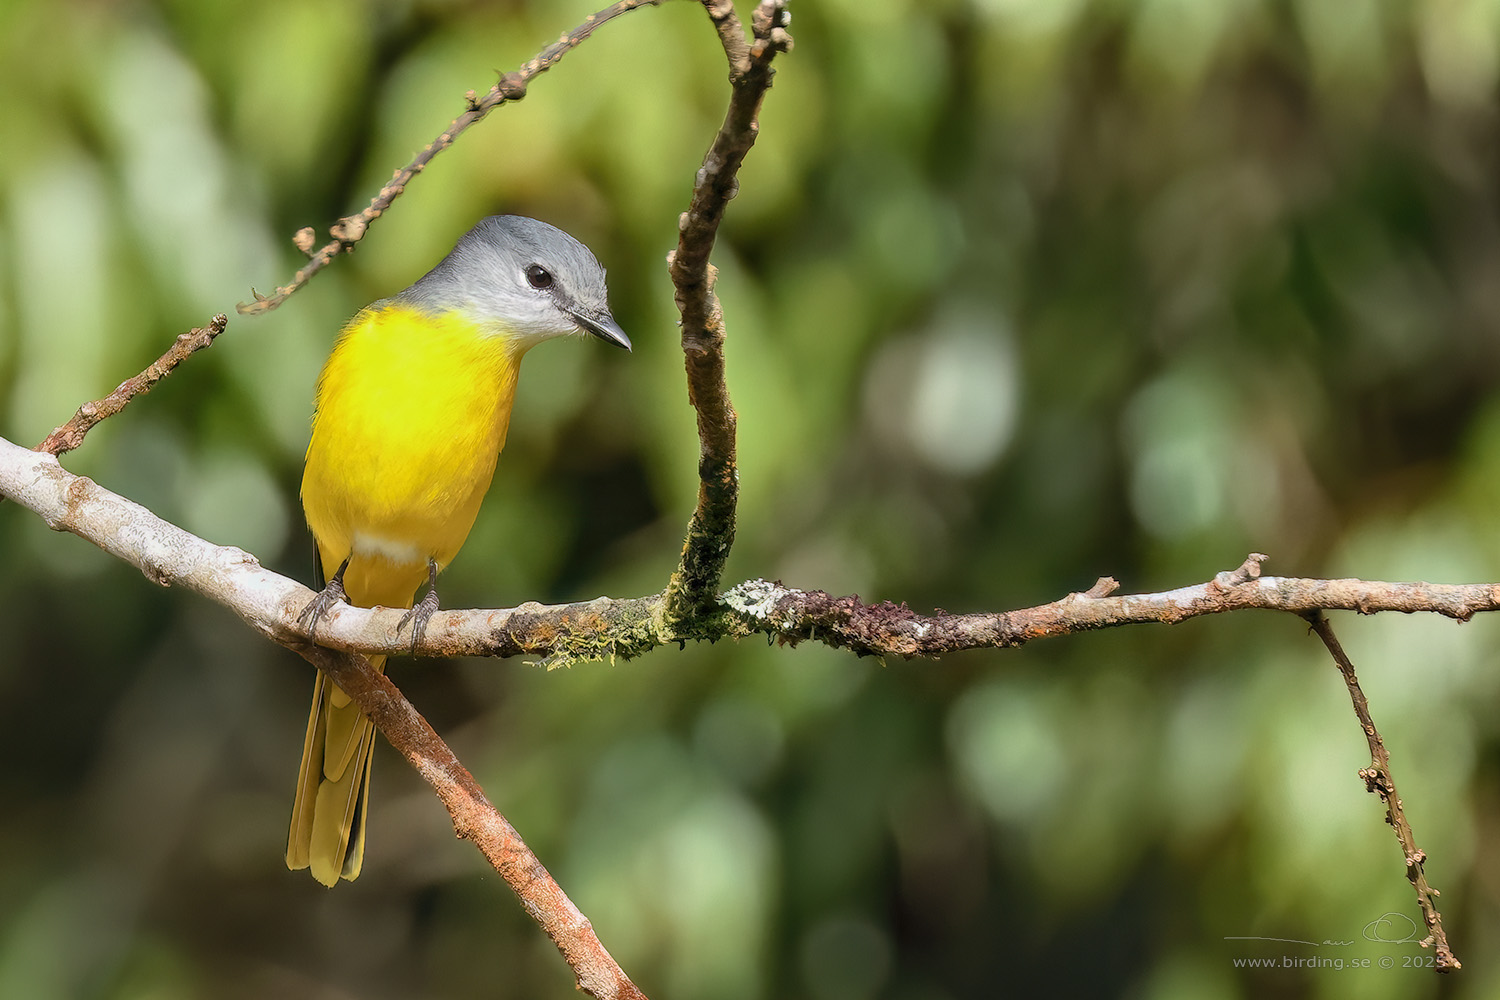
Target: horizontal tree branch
887,629
626,627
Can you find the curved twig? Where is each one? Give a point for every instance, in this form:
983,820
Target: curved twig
511,87
1378,780
690,593
70,435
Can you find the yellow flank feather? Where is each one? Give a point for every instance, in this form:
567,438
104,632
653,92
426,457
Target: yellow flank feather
412,411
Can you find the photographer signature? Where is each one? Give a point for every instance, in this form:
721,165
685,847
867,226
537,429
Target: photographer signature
1388,928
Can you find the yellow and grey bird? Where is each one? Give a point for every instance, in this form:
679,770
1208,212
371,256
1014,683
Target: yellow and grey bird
412,410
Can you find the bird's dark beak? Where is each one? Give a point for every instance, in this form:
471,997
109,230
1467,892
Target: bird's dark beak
605,328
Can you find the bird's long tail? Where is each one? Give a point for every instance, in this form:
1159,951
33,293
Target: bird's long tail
333,787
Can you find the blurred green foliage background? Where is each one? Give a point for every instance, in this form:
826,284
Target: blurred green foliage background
1020,293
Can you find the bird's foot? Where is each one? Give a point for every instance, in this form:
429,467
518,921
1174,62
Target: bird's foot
319,606
421,612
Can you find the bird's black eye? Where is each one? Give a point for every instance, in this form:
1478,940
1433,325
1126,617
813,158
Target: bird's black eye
539,276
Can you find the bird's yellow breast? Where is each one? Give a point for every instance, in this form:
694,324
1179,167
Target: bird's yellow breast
412,411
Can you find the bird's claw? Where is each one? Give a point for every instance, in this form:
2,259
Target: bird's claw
421,613
320,605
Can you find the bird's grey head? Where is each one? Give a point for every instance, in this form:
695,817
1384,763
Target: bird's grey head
530,279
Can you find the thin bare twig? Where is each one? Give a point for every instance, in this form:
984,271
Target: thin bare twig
691,591
511,87
1378,780
70,435
886,629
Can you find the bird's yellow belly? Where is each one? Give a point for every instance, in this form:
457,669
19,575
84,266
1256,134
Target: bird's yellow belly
412,413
